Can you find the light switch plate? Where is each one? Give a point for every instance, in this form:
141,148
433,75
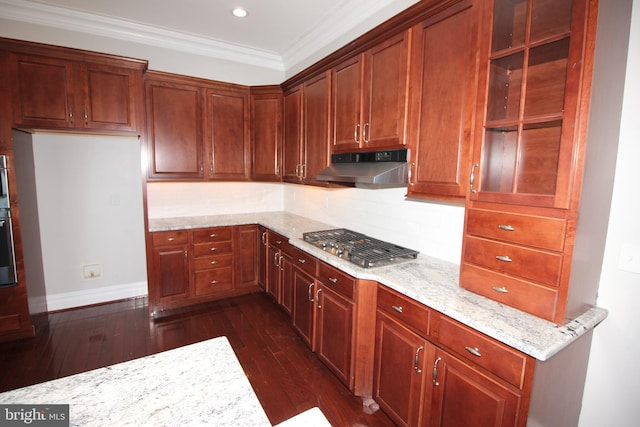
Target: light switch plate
629,258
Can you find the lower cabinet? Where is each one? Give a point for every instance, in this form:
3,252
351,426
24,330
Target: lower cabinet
432,371
188,267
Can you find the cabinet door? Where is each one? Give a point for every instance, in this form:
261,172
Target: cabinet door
464,396
273,284
292,148
110,97
286,282
316,147
385,93
262,257
304,287
400,370
246,251
170,281
43,93
334,332
442,94
227,136
528,147
266,135
174,130
347,104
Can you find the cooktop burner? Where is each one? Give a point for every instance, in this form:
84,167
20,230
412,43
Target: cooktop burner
359,248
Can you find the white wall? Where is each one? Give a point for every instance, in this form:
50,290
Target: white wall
432,228
89,200
613,378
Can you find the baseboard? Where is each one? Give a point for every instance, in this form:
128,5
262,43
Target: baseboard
37,304
95,296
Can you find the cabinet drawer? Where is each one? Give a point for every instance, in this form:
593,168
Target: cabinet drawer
277,240
205,250
177,237
336,280
529,263
211,281
217,234
530,297
304,261
404,309
208,263
501,360
540,232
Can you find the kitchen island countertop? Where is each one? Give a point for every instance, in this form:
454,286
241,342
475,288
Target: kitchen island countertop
428,280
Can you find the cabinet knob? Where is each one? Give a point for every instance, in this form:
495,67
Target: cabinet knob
503,258
212,249
472,177
213,282
506,227
171,239
302,261
501,289
212,235
397,308
214,262
333,280
474,350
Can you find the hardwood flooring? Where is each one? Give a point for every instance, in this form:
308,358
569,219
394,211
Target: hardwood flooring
286,376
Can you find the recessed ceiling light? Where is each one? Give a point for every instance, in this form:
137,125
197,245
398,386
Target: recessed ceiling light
239,12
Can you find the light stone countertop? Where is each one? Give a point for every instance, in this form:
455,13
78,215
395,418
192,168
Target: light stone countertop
199,384
431,281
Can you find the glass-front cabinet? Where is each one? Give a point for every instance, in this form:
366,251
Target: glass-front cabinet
532,74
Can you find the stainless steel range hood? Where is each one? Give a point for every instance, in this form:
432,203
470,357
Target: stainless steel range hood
373,169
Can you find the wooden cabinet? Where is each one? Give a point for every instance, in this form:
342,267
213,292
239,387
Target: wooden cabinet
170,275
303,315
196,129
306,135
189,267
442,93
266,133
528,156
262,257
370,97
433,371
228,148
54,88
174,129
279,270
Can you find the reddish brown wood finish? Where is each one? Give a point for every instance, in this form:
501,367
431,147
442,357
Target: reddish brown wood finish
286,376
303,314
266,132
442,93
247,246
292,144
316,127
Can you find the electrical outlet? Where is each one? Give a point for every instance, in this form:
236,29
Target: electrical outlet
91,271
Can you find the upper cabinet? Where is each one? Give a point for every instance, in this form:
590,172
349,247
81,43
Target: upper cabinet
442,93
266,133
54,91
526,149
196,129
307,130
370,97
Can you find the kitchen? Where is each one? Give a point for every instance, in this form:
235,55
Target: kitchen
385,214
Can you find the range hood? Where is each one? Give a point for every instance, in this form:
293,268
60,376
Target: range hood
373,169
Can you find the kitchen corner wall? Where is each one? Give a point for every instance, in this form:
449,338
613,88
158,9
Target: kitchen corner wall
86,195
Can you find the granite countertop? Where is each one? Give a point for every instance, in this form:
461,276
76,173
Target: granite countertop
431,281
199,384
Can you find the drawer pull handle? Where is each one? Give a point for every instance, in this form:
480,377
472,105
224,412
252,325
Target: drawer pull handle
318,298
397,308
171,239
434,376
474,350
416,360
503,258
302,261
278,242
501,289
333,280
506,227
310,292
214,262
212,235
213,282
212,249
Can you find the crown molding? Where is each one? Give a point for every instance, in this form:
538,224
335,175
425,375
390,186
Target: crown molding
70,20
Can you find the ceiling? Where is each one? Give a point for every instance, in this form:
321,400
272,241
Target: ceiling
276,33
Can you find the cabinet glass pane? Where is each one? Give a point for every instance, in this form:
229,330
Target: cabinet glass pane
539,153
509,23
550,18
499,159
504,88
546,77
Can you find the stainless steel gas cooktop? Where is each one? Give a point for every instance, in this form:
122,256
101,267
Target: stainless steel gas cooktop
359,248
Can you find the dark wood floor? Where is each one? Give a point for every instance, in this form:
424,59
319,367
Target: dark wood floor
286,376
